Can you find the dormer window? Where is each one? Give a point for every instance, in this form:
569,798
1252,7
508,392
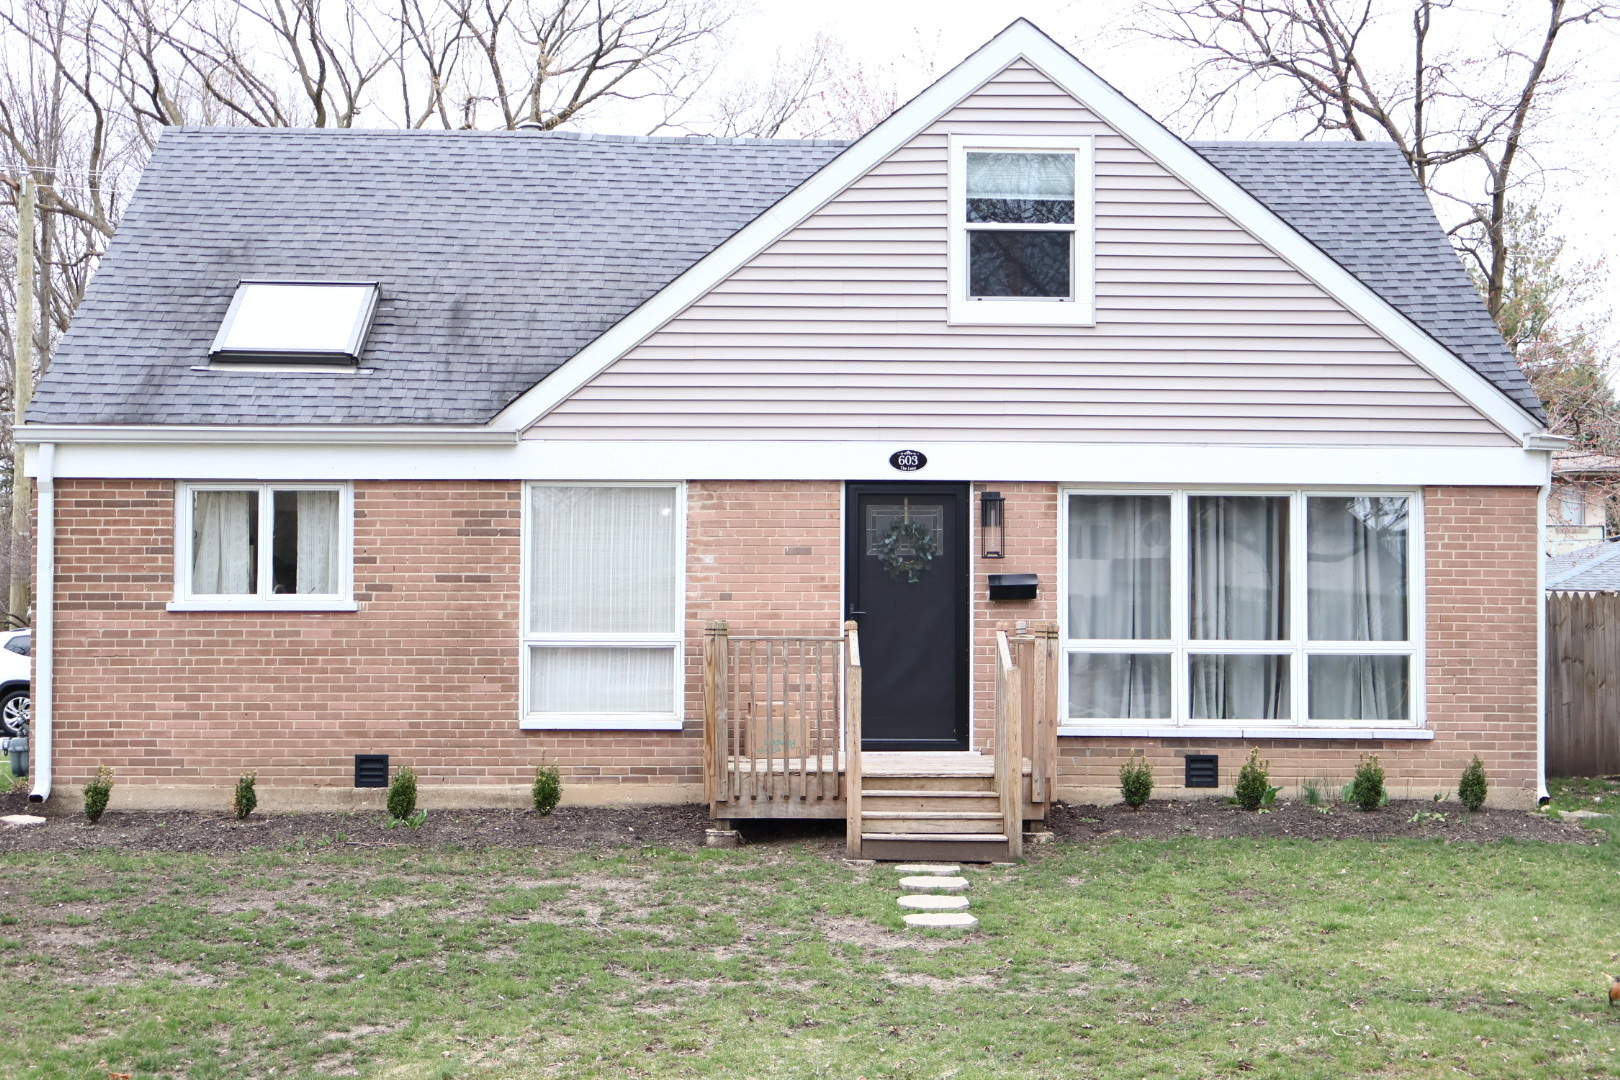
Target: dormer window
278,322
1020,250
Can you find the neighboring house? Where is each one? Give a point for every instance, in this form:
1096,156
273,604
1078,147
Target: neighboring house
1582,500
459,447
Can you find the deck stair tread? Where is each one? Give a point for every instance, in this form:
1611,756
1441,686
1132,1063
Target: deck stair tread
933,815
923,793
990,838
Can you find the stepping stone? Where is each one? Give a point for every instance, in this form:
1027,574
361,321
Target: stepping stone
942,920
944,869
934,903
931,881
17,821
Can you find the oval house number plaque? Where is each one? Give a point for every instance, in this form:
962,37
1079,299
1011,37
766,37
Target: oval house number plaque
908,460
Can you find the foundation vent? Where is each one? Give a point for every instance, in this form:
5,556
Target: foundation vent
1203,770
371,770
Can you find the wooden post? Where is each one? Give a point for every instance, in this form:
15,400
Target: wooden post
22,390
852,739
1009,746
715,647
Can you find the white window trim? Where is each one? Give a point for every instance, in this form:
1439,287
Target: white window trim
1081,311
672,720
185,600
1299,646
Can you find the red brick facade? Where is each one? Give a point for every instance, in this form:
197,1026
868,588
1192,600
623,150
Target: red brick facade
181,703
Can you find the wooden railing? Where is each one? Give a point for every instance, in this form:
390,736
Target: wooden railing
771,709
1010,745
1027,673
852,739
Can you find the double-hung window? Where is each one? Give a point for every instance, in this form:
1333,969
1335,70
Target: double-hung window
1021,231
264,546
602,619
1252,610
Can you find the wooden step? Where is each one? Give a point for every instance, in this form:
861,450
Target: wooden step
928,783
953,847
944,821
929,800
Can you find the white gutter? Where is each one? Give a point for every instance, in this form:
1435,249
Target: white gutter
291,434
1542,798
44,622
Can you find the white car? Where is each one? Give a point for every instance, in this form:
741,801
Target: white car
16,701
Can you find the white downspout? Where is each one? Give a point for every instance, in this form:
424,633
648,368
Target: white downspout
1542,798
44,622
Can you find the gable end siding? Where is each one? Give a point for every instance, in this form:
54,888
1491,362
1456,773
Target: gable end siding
838,330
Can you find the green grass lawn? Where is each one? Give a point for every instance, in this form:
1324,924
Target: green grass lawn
1145,959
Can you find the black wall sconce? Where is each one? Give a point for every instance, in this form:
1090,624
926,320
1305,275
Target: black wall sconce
993,525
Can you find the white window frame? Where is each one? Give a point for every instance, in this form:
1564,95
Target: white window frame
1298,646
675,641
186,600
1024,311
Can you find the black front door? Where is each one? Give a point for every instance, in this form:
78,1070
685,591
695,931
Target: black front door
906,566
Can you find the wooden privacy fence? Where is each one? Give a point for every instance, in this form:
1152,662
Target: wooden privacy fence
1583,684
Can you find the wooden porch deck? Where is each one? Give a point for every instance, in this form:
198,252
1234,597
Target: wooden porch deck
782,737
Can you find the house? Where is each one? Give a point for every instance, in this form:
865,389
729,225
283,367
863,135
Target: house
1583,486
466,448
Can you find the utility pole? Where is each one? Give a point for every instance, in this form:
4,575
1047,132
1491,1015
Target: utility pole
22,390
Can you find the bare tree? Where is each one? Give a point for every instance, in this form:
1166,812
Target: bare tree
1459,101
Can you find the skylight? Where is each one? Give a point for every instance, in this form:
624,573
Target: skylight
296,323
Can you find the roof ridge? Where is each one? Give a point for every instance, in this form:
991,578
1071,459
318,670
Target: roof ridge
567,136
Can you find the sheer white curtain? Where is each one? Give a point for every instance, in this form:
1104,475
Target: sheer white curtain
222,542
1238,585
1238,686
1360,688
1119,686
1119,567
1239,567
317,541
1356,549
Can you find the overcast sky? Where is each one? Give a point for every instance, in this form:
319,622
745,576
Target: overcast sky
1579,144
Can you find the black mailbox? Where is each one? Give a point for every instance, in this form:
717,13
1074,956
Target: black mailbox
1013,586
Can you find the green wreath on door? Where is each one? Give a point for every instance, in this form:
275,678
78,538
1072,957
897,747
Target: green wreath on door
907,548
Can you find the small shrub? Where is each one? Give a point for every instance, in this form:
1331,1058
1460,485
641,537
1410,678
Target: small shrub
547,789
1471,790
1253,788
1367,789
97,793
245,799
402,794
1136,780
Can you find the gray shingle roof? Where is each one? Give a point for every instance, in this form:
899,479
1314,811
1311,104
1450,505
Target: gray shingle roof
501,254
1360,203
1595,568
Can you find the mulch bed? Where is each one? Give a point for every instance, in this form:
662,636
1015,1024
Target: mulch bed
580,828
568,828
1175,820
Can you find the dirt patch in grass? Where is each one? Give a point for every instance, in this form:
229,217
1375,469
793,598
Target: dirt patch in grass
1175,820
568,828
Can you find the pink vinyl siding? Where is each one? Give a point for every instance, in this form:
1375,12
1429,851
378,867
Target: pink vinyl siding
839,331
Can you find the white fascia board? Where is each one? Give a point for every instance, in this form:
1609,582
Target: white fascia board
265,434
582,460
1022,40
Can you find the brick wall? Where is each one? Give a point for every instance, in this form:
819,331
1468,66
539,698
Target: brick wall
427,670
1480,553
